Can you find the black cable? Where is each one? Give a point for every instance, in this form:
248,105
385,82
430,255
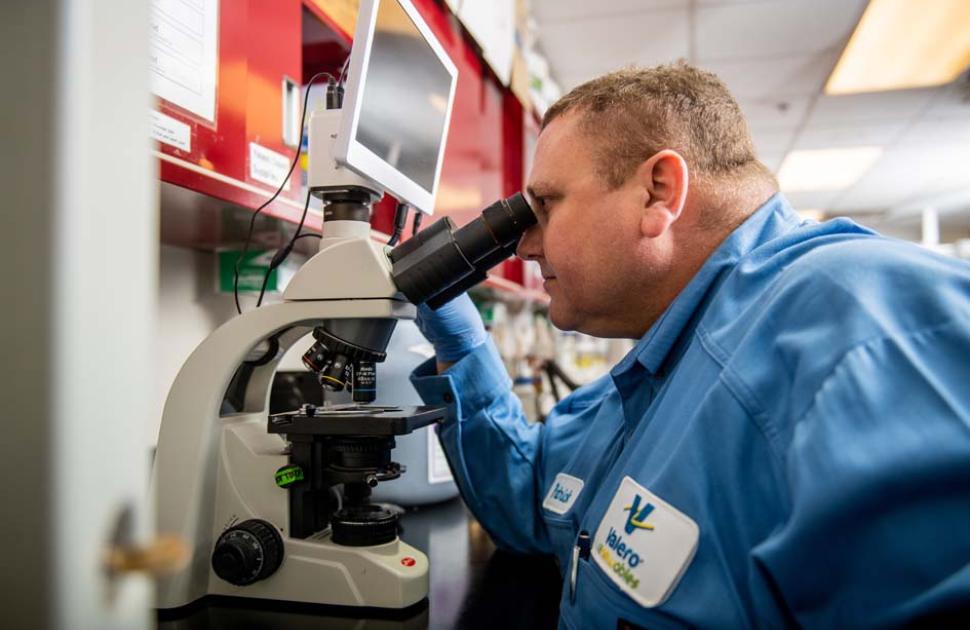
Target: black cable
552,381
400,220
343,69
252,220
262,288
416,222
555,369
282,253
272,349
335,96
308,234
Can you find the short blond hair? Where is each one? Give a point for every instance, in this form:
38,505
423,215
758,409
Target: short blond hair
636,112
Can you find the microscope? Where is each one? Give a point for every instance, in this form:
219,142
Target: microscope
277,507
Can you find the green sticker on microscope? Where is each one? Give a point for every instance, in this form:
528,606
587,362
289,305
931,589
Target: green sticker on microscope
288,475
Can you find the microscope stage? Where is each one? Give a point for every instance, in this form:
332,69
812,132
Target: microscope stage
355,420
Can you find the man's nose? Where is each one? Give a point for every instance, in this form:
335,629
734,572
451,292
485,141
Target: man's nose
530,245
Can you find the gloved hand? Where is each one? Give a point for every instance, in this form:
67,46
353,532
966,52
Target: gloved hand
454,330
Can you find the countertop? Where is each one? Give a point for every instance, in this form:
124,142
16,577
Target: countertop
473,585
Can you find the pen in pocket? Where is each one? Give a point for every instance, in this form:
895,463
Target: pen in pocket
580,551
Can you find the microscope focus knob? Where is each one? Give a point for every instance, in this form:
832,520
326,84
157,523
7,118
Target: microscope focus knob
248,552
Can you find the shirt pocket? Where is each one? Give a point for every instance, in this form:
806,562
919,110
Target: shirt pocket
562,536
598,603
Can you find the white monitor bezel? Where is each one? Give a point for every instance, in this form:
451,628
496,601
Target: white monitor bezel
355,155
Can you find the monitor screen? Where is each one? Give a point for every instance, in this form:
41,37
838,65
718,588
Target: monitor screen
400,99
402,114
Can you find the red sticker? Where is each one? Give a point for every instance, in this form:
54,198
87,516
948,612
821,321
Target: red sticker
408,561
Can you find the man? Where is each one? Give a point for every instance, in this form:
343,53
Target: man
789,441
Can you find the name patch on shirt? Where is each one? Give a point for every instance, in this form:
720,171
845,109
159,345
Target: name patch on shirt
562,494
644,544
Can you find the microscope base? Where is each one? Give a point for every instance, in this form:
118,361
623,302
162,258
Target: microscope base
316,571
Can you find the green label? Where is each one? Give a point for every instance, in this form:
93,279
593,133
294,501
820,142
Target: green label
252,270
288,475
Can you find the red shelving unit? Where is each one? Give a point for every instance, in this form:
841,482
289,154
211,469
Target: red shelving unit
261,42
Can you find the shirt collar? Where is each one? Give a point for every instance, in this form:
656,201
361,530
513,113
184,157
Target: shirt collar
769,221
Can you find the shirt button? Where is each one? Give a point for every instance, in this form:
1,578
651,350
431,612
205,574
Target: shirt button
448,397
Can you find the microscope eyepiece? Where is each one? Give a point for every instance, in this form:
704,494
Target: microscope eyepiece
441,262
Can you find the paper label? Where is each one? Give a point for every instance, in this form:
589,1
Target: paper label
562,493
268,166
172,132
644,544
438,470
184,41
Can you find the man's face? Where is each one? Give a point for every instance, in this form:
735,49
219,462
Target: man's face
587,239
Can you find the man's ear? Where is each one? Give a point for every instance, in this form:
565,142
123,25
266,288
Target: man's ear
664,179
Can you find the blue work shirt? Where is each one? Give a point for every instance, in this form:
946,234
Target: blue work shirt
789,444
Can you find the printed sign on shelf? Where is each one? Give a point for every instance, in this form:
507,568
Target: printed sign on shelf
268,166
252,270
172,132
184,40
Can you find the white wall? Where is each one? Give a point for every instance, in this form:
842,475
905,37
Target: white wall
80,229
189,308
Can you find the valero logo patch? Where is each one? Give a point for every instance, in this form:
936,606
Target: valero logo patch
638,516
644,544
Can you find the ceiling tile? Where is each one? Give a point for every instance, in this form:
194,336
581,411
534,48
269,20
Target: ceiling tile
549,11
772,142
938,132
899,105
768,77
952,101
821,200
569,81
788,27
908,230
877,192
952,179
618,41
772,160
725,2
824,137
770,114
905,176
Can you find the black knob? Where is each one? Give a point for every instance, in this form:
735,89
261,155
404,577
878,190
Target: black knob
248,552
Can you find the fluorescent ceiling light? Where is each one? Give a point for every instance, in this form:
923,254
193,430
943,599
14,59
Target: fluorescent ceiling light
812,214
452,197
825,169
901,44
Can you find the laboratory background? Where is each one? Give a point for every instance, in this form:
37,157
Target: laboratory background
166,168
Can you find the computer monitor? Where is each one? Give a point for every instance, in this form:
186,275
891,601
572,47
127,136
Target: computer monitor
397,105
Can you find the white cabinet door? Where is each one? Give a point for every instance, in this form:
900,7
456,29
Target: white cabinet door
79,262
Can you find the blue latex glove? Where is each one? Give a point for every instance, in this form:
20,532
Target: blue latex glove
455,329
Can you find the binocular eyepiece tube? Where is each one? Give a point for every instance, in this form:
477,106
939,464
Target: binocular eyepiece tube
441,262
434,266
